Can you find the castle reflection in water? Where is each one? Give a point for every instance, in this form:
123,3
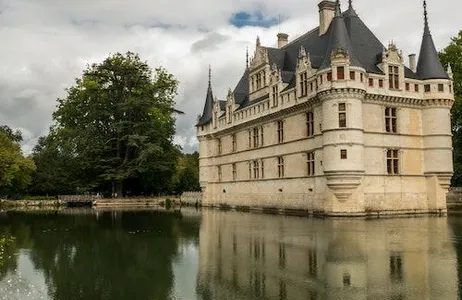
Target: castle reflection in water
256,256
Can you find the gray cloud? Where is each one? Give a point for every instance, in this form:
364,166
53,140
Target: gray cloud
209,43
47,43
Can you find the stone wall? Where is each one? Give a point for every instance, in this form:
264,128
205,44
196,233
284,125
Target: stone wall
454,197
191,198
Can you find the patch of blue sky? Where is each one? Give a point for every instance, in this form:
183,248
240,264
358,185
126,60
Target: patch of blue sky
254,19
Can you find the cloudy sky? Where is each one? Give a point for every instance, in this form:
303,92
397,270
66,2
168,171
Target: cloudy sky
45,44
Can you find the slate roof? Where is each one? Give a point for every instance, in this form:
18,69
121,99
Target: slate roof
429,65
346,31
206,116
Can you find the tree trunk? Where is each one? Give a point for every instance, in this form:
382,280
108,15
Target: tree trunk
119,188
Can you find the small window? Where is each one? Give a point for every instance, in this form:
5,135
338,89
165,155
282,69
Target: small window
381,83
393,77
407,86
320,79
262,168
250,169
352,75
262,137
280,131
440,87
256,169
250,139
362,77
450,88
427,88
346,280
390,119
371,82
219,147
310,163
233,138
281,167
416,87
329,76
392,162
342,115
256,137
304,84
343,154
309,124
396,267
340,73
219,173
275,96
234,172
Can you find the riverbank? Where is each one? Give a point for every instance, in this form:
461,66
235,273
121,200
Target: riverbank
98,203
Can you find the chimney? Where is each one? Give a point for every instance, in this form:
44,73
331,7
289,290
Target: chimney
326,14
412,64
283,39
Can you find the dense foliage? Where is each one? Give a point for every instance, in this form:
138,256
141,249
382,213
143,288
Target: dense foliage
15,169
452,55
112,133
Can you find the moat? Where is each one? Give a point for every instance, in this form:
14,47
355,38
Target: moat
211,254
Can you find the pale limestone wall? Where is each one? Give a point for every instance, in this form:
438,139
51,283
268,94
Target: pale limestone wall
357,184
251,255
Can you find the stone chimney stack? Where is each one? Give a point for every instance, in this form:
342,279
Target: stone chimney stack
412,63
283,39
326,14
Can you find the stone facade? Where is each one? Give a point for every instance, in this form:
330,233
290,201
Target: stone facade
337,137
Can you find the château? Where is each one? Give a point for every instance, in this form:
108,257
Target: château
332,123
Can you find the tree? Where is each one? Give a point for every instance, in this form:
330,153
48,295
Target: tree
186,176
15,169
15,136
116,123
452,55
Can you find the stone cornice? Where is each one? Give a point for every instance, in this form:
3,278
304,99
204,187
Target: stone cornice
407,102
341,93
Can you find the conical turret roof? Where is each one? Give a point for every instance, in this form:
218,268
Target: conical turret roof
206,116
429,65
338,39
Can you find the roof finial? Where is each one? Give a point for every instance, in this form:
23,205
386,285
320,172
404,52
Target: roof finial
426,29
247,58
210,75
258,41
350,4
338,11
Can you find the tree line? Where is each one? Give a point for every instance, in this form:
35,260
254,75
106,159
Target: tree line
112,134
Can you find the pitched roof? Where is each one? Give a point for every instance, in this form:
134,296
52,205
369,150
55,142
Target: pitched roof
429,65
349,32
206,116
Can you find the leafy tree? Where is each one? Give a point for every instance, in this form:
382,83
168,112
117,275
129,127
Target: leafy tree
452,55
15,136
116,126
15,169
186,176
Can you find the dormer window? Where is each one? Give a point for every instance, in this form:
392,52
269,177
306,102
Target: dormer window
393,77
303,84
258,81
340,73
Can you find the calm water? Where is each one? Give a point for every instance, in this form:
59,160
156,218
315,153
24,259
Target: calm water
78,254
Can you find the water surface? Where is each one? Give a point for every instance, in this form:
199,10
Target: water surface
209,254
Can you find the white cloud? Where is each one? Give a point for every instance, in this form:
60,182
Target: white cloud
47,43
